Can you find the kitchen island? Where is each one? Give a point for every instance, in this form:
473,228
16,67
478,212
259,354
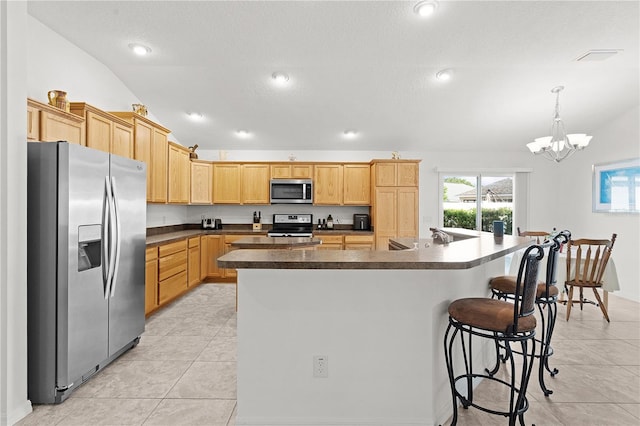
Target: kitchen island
376,317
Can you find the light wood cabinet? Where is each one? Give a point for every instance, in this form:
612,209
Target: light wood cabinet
201,182
291,171
327,184
172,270
47,123
330,242
179,172
193,271
358,242
150,144
228,239
255,184
151,280
395,205
396,172
215,248
104,131
226,183
33,123
357,184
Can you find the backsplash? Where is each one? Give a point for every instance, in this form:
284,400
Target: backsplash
166,215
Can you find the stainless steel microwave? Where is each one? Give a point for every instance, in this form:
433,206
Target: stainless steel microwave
291,191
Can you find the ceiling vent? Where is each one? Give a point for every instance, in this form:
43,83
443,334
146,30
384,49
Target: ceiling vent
598,55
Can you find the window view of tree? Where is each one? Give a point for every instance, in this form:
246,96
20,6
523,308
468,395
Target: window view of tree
463,209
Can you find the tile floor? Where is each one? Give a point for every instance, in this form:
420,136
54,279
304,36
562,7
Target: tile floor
183,372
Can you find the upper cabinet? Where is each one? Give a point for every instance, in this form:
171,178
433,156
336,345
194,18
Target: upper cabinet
105,131
226,183
396,173
327,184
50,124
291,171
150,144
255,184
179,173
236,183
357,184
201,182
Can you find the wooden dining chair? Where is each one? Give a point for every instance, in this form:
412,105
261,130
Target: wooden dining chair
586,262
537,234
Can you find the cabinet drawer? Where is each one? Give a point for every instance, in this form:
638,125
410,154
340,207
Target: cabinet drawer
194,242
172,264
358,239
151,253
167,249
330,239
172,287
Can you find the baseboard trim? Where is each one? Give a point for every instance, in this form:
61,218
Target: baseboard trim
308,421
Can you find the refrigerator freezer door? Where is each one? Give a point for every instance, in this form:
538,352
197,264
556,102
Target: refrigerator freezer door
82,312
126,304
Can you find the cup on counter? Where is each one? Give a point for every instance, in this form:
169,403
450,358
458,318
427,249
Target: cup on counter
498,229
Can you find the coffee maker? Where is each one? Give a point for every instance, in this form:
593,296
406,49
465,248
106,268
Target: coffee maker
361,222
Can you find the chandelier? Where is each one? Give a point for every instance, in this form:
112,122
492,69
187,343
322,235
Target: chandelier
559,145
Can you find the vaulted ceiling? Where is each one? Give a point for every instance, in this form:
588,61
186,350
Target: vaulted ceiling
369,66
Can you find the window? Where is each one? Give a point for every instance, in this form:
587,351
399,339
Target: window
474,201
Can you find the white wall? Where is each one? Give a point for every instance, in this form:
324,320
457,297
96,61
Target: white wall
13,202
565,191
80,75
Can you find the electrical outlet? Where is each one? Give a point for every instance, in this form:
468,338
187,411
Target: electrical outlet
320,366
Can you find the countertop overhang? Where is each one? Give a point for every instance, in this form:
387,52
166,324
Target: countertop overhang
475,249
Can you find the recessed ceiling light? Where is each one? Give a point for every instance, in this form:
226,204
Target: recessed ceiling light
140,49
350,133
444,75
425,8
243,134
280,78
195,116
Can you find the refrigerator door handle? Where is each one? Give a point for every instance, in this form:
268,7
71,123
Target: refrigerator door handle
105,237
117,228
112,240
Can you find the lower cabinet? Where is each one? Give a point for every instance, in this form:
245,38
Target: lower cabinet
329,242
193,276
151,280
228,239
214,247
358,242
345,242
172,270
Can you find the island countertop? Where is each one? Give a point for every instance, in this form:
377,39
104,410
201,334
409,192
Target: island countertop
469,249
260,242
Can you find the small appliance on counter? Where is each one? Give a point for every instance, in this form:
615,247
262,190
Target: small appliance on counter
211,223
361,222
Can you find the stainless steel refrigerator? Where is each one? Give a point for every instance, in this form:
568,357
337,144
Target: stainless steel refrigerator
86,264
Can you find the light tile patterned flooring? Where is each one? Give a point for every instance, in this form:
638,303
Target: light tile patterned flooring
183,371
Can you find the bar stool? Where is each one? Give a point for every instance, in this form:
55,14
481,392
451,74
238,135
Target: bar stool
504,322
504,287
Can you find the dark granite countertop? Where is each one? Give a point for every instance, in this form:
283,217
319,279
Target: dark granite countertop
476,249
168,234
275,242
